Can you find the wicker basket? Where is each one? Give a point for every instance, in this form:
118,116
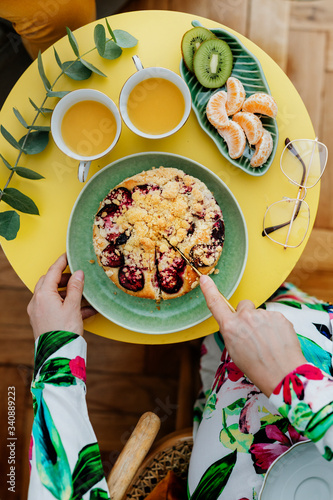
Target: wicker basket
171,453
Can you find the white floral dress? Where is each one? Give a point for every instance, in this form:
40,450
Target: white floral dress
238,431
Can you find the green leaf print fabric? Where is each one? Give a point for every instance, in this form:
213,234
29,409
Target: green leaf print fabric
51,459
233,418
88,470
48,344
98,494
215,478
64,455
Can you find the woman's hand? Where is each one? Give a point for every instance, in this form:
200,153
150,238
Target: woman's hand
50,309
263,344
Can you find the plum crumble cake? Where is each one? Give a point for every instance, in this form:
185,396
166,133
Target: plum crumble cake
136,216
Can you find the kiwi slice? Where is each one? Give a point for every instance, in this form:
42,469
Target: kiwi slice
212,63
191,41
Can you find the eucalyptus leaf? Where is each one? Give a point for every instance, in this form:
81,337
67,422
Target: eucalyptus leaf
36,107
34,142
20,118
28,174
40,110
59,93
8,165
46,83
100,38
112,50
110,30
19,201
73,42
9,224
9,138
44,128
57,58
124,39
92,67
76,70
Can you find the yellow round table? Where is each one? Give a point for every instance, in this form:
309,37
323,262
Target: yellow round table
42,239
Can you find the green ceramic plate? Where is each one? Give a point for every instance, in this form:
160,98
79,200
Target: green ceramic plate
248,70
143,315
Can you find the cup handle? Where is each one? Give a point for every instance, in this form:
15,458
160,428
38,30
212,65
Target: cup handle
83,170
137,62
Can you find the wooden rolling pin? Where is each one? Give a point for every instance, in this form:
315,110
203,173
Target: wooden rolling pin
133,455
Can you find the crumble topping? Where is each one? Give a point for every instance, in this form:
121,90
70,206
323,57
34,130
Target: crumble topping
137,215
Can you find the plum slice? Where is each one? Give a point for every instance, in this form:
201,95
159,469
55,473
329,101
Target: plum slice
112,257
191,229
178,264
145,188
115,236
131,278
108,211
122,238
122,196
170,281
218,232
203,255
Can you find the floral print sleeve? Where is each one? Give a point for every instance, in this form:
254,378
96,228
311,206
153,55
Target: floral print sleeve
238,431
305,397
65,461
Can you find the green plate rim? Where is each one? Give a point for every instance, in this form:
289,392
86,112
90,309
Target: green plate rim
75,262
244,162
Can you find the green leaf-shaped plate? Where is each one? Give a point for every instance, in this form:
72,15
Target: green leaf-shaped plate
248,70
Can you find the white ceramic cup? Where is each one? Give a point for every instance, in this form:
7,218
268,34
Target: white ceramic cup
145,74
93,136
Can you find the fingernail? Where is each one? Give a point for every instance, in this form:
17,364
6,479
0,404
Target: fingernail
204,279
79,275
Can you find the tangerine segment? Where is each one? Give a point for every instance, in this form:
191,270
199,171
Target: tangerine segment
235,95
215,109
235,138
251,125
261,103
263,150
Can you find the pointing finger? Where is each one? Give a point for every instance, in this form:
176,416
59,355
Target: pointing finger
215,302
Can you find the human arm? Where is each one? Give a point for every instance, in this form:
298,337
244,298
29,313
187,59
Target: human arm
65,458
264,345
51,310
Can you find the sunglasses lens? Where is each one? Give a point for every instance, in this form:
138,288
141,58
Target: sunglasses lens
303,162
286,222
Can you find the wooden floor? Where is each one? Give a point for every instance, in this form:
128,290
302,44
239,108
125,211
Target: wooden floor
125,380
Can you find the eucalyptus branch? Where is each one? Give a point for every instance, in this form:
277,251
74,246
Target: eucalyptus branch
37,137
20,153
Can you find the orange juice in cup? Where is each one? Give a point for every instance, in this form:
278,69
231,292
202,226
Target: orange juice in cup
85,125
154,102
